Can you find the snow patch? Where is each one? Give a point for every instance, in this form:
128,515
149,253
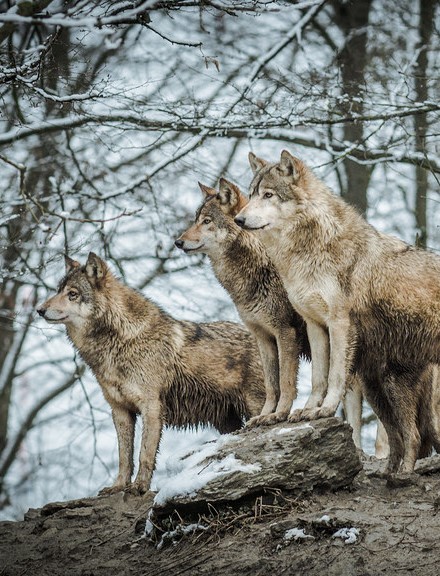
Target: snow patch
173,536
296,534
196,473
349,535
287,430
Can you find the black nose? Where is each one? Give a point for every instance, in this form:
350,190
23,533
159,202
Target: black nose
240,220
179,243
41,312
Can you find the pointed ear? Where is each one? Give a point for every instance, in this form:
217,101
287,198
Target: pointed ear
207,191
287,164
228,193
256,163
96,269
232,200
70,264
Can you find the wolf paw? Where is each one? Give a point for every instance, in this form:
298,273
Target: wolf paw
254,422
402,479
310,414
137,488
317,413
295,416
108,490
267,419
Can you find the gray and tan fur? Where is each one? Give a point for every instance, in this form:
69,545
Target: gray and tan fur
169,371
370,301
241,264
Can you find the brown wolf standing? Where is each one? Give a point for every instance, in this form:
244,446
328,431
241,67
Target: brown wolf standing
241,265
168,371
369,300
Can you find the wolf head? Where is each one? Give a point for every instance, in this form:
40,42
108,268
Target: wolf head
75,300
277,192
214,219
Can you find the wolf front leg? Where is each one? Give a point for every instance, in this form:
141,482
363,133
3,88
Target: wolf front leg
124,422
288,355
340,363
269,359
151,414
320,350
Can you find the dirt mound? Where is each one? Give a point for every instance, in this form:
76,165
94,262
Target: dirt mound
381,529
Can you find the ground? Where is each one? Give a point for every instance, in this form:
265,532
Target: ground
399,533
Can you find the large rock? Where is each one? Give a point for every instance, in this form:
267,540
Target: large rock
295,457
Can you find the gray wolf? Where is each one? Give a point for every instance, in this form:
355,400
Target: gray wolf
371,302
169,371
241,264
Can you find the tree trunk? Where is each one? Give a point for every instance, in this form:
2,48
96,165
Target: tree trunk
426,23
352,18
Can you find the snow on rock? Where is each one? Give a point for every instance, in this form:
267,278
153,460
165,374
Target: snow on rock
294,457
199,471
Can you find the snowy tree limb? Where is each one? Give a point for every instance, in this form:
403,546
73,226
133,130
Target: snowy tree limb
264,131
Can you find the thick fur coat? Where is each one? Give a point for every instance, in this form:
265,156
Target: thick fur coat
241,264
170,372
370,301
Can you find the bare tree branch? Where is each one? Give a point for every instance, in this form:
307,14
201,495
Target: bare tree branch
264,131
28,423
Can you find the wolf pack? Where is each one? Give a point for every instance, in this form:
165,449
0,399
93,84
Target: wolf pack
311,279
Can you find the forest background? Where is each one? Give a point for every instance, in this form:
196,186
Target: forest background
111,111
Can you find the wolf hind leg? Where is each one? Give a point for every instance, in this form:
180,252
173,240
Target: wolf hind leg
353,407
408,417
382,445
383,398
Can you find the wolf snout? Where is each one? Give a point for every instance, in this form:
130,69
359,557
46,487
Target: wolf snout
179,243
240,221
41,311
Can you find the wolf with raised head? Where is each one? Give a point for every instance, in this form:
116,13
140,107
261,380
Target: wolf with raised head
369,300
169,371
241,264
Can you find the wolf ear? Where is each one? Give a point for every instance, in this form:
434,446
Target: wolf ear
228,193
70,264
96,269
232,200
207,191
287,165
256,163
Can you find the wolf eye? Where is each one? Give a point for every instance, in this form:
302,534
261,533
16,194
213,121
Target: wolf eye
207,221
267,195
72,295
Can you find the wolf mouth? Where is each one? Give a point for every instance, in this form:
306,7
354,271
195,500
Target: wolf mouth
56,320
187,250
256,227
